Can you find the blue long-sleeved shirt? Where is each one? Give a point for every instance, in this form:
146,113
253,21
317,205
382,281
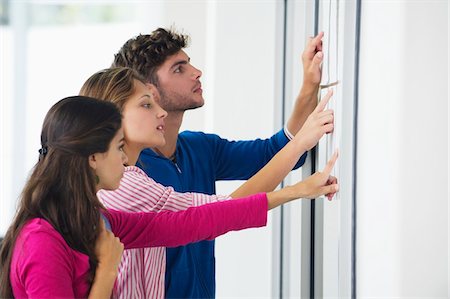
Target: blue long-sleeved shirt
201,160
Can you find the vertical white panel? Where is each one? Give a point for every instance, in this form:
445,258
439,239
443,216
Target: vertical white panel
327,214
296,244
7,202
244,102
333,225
402,150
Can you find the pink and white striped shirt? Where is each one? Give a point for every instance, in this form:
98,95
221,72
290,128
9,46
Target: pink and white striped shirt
142,271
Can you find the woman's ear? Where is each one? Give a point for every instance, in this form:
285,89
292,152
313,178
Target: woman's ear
93,162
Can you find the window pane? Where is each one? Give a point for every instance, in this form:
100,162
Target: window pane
50,14
4,8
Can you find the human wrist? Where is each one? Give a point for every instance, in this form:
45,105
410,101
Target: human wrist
309,88
288,133
103,283
105,270
292,193
299,143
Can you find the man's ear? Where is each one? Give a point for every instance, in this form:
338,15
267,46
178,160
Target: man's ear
154,90
93,161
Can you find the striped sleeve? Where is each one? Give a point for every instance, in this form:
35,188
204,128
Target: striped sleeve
140,193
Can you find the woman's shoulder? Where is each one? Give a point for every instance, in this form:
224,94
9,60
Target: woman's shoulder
43,261
136,174
38,231
133,171
38,238
38,225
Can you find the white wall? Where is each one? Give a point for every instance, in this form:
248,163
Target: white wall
244,73
402,191
234,44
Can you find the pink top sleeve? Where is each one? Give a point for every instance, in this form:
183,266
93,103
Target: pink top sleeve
171,229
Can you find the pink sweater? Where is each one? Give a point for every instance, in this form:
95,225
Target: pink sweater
142,270
44,266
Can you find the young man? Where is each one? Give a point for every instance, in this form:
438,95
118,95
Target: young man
193,161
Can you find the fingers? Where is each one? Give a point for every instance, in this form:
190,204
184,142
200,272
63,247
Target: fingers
314,44
326,118
330,196
120,245
329,190
323,103
331,180
318,40
326,112
325,125
329,167
328,128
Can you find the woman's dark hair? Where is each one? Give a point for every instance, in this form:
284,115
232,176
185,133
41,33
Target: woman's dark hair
62,185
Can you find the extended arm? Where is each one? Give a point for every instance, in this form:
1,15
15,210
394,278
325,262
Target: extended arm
139,193
170,229
317,124
138,230
308,125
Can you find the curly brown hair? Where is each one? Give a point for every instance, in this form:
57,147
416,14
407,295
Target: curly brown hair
145,53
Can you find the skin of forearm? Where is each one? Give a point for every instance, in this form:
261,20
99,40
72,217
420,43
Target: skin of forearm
279,197
268,178
103,283
304,105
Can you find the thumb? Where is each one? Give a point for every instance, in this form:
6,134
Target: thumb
102,227
317,59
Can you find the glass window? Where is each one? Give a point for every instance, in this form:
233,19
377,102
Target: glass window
4,14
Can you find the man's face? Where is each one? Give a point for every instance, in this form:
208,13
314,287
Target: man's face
179,84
